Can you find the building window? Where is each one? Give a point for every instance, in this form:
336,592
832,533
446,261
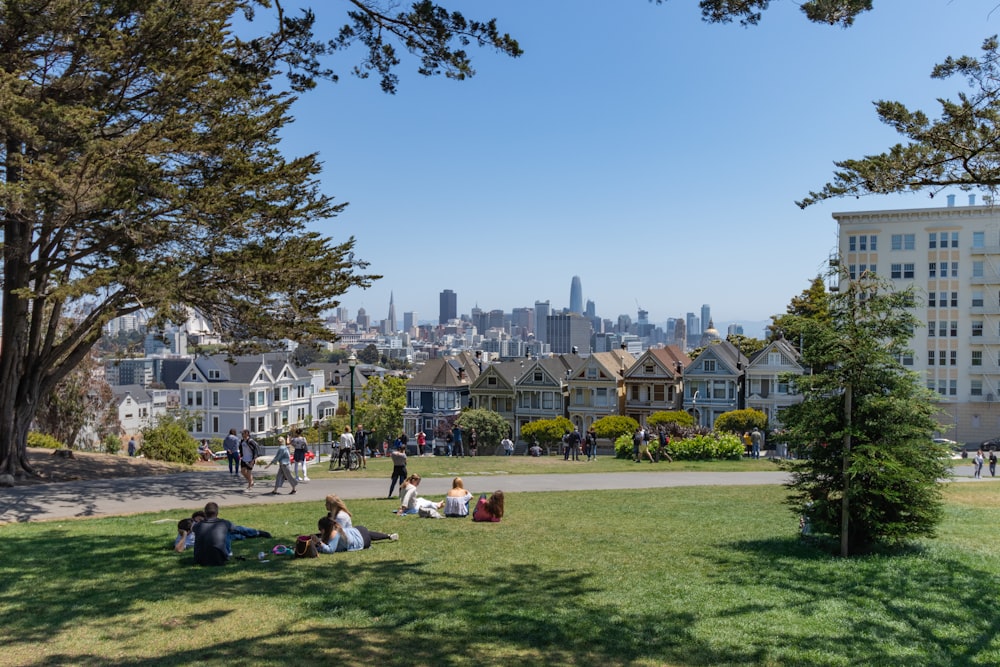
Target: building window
907,359
215,401
932,240
942,387
873,243
977,299
942,328
872,270
952,387
954,244
909,241
976,388
930,357
978,239
649,369
977,357
932,299
942,357
547,400
896,242
537,377
658,392
908,270
709,365
953,330
944,269
863,243
977,328
578,396
977,269
954,299
931,328
852,271
896,271
953,357
852,243
601,397
932,270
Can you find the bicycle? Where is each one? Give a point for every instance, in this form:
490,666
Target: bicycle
353,459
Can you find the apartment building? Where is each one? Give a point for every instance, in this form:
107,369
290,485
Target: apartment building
951,254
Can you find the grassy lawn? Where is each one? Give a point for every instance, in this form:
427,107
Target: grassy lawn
678,576
441,466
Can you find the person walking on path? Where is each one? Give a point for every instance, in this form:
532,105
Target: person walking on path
977,465
283,459
993,464
248,456
299,448
398,456
232,446
131,445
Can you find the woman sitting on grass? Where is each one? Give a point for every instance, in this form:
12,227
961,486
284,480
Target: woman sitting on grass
409,501
489,509
333,538
337,510
456,503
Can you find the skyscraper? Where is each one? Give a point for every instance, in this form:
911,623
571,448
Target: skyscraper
706,316
541,317
576,296
391,327
449,307
566,331
409,321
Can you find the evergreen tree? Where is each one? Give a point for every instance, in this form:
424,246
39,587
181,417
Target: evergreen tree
863,430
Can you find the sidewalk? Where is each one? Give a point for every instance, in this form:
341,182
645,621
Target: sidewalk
191,491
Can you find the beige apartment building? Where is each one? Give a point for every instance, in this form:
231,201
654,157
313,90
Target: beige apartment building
951,254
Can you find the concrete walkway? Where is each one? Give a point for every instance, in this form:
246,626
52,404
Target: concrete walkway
189,491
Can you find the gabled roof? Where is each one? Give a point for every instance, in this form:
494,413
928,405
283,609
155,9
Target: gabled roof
610,364
725,352
665,360
507,371
781,345
136,391
443,373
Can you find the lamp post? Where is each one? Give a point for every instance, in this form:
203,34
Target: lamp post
352,363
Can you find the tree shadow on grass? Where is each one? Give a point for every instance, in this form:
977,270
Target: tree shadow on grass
901,608
336,608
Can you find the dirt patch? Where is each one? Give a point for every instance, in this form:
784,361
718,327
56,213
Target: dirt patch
90,465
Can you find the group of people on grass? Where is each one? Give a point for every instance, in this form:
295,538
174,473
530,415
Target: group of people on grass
455,504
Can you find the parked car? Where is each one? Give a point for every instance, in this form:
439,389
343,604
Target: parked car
992,444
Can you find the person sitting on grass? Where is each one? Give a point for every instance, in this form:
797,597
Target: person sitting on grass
410,502
337,510
185,532
332,537
491,509
456,503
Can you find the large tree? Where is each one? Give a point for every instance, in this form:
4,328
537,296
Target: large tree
960,148
868,469
812,303
140,170
749,12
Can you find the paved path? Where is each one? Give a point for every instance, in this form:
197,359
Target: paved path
192,490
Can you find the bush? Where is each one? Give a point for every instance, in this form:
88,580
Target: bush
43,440
707,447
111,444
623,447
169,441
678,417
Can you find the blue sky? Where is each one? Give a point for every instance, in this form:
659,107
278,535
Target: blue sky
653,155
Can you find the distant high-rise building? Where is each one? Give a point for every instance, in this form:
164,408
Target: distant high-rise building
409,321
449,307
671,323
478,318
495,320
343,314
706,316
693,329
391,327
624,324
735,330
364,322
591,311
576,296
541,317
680,334
566,331
522,322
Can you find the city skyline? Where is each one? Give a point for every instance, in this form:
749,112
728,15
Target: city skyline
661,168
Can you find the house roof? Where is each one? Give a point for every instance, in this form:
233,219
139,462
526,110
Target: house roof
136,391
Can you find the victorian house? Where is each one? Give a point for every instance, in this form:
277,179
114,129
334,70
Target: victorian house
541,391
767,380
493,390
596,387
437,393
655,382
714,382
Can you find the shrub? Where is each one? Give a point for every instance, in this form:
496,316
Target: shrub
678,417
43,440
741,421
111,444
623,447
707,447
169,441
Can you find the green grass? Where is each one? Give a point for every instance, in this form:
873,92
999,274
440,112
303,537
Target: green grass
677,576
441,466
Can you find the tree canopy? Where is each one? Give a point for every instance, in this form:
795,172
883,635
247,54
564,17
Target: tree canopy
960,148
140,170
868,468
750,12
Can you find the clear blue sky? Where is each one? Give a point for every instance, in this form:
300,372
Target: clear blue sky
656,156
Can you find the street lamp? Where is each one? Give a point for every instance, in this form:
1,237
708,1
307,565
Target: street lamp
352,363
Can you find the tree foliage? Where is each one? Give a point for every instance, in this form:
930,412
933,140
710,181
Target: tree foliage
546,431
741,421
82,406
880,450
679,417
750,12
960,148
169,440
747,345
812,303
490,427
140,170
381,408
613,426
369,355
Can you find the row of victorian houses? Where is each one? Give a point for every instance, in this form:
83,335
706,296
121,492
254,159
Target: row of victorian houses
268,393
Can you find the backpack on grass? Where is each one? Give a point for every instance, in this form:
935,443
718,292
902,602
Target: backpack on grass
305,547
